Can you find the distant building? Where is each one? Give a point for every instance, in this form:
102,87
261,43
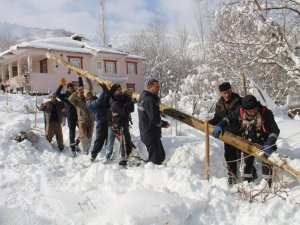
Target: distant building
25,67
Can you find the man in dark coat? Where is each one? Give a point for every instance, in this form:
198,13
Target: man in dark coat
257,124
121,106
53,117
228,102
70,110
150,122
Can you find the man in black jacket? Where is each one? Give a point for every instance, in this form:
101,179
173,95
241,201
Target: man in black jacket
150,122
257,124
228,102
70,110
121,106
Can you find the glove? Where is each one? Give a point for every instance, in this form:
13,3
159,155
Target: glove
267,150
217,131
165,124
63,81
103,86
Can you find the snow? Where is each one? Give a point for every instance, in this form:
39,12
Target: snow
40,185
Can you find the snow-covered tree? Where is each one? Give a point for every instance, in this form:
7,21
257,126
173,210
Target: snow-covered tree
260,38
167,56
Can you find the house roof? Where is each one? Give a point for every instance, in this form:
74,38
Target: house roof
75,43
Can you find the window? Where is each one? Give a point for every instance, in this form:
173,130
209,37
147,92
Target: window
131,87
76,84
110,66
131,67
7,74
14,71
75,61
98,64
43,66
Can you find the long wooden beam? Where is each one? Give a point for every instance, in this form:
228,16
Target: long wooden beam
229,138
242,144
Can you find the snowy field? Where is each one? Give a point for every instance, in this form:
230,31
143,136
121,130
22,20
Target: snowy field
41,186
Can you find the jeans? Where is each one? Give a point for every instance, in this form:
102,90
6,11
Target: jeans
101,135
72,130
110,143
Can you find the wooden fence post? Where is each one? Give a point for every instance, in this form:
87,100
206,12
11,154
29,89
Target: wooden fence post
6,100
35,113
207,158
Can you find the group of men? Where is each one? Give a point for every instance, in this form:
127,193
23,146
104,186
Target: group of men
110,110
247,118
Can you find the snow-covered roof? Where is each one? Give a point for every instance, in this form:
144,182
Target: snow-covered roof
136,57
75,43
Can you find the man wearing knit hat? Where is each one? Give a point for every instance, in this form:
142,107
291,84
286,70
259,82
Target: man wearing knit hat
257,124
110,134
121,106
228,102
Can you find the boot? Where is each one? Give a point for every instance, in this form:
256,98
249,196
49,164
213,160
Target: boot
270,183
123,163
92,159
232,180
73,151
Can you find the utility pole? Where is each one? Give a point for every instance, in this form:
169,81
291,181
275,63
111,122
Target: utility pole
103,33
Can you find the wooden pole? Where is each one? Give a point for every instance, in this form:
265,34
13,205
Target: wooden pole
242,144
229,138
91,76
244,84
35,113
207,158
7,101
175,105
243,165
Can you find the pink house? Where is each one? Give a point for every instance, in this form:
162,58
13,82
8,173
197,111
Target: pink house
25,67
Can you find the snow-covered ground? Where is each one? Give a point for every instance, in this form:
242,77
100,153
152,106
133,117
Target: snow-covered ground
40,185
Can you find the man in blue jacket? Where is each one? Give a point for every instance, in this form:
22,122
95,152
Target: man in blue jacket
150,122
97,106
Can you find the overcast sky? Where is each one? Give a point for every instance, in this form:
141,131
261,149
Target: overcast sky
82,16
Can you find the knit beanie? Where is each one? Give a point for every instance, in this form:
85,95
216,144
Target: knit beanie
114,89
224,86
249,102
